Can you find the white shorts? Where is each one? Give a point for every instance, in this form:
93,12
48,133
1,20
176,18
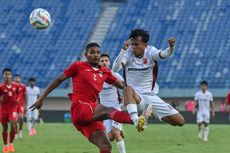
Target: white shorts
32,114
160,108
201,117
110,124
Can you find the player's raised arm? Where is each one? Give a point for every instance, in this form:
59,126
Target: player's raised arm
54,84
117,65
168,52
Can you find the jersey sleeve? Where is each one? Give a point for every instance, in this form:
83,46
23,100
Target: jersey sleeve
118,76
211,97
38,91
196,97
71,70
155,53
24,89
111,79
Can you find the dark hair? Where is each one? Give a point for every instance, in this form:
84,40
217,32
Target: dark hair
92,44
32,79
204,83
140,33
6,70
105,55
17,75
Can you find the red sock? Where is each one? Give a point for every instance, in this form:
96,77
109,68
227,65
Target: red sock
101,151
121,117
5,137
12,135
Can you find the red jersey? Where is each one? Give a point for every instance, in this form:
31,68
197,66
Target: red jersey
228,98
88,81
22,92
10,96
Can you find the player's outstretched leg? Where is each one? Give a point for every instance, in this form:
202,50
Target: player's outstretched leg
175,120
131,101
100,139
5,137
102,113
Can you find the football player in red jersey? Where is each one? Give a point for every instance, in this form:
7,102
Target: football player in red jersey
88,78
9,95
21,105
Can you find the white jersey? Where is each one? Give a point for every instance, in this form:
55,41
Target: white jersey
109,94
141,73
32,95
203,100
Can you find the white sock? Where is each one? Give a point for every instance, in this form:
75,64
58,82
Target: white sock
132,110
206,131
121,146
200,132
29,125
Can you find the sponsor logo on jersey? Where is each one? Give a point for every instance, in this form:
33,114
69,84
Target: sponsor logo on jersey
136,69
145,61
101,74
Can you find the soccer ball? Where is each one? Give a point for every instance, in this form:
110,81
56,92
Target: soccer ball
40,19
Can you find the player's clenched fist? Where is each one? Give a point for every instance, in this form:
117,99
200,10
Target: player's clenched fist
171,42
127,43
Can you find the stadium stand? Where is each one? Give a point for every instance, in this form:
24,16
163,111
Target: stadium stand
44,54
202,33
201,28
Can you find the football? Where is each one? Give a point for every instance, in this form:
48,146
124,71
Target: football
40,19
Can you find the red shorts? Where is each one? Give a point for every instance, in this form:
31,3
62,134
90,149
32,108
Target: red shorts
82,115
9,116
21,110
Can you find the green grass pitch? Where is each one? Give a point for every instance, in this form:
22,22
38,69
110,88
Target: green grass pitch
157,138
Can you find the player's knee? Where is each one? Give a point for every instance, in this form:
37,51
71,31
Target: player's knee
180,121
117,134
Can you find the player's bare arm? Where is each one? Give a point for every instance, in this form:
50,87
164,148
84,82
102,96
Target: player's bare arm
38,104
212,108
119,84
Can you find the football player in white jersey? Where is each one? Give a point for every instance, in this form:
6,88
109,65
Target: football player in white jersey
203,102
110,97
139,62
33,93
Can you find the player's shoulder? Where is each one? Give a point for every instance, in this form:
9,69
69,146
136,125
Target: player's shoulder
15,84
209,92
1,84
151,48
198,92
78,63
23,85
36,88
105,70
